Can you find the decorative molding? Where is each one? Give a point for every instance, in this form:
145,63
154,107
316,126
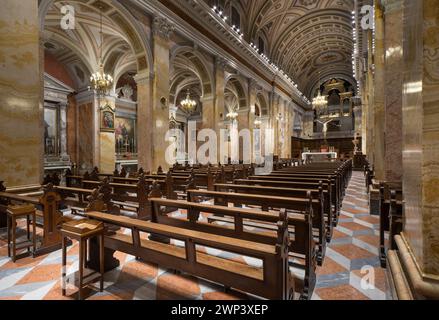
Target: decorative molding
162,27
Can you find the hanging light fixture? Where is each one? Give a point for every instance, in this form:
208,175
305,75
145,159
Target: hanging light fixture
258,121
100,81
232,115
188,104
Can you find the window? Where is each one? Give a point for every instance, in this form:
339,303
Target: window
236,18
261,45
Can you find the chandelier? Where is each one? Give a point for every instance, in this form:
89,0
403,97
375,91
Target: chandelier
320,102
100,81
232,115
188,104
258,121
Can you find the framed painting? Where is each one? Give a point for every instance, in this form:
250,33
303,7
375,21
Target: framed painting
107,119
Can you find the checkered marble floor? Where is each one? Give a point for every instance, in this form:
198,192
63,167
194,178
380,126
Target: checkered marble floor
352,255
354,247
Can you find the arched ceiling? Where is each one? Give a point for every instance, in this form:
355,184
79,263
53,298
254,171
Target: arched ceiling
304,36
78,49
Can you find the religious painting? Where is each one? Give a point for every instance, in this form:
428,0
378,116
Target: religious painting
50,131
107,119
125,134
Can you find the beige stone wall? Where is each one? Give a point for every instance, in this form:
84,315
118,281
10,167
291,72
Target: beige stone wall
21,126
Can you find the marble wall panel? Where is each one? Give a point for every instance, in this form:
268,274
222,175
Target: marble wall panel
107,152
86,136
21,129
421,131
430,136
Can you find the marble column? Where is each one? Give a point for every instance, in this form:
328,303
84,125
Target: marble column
220,65
243,124
21,108
162,30
379,93
144,120
393,89
252,97
275,100
369,105
418,245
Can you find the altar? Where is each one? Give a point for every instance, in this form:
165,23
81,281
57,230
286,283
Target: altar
319,156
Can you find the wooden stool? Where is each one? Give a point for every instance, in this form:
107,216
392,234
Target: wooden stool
14,213
82,231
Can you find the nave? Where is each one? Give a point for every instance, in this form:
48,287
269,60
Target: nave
355,244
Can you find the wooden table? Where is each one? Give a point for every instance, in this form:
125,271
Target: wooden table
82,231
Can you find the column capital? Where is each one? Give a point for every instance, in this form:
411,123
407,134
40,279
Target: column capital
220,63
162,27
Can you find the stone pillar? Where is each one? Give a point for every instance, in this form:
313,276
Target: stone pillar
418,245
220,84
369,106
274,121
393,89
144,120
208,113
162,30
243,123
379,92
21,108
252,97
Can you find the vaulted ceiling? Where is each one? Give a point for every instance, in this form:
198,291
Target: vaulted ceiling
79,49
302,37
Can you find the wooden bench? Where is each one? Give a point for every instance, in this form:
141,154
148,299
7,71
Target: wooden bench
332,209
272,281
299,245
390,215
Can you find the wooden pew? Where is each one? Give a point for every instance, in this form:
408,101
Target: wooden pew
320,194
272,281
334,206
332,182
128,197
390,211
299,245
47,210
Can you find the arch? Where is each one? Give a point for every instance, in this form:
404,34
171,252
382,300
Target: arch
187,67
123,19
235,96
262,104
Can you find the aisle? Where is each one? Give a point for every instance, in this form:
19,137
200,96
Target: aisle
354,245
